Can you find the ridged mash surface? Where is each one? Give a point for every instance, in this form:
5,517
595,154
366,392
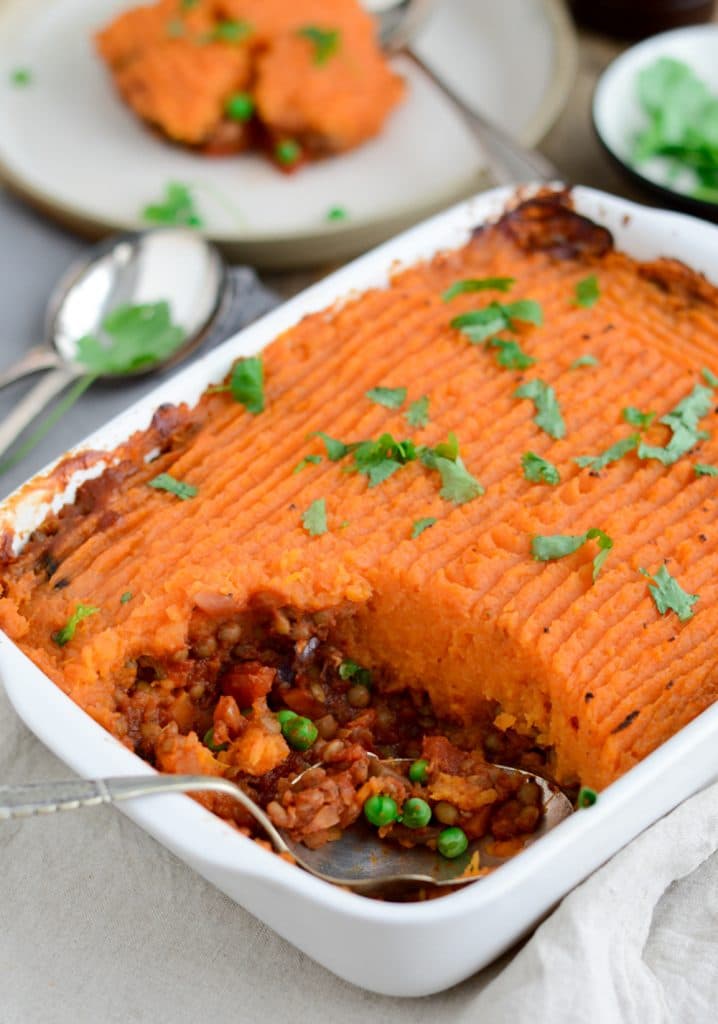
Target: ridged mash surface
462,611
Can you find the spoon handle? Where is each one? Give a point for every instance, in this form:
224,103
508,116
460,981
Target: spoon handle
509,162
33,403
35,798
39,358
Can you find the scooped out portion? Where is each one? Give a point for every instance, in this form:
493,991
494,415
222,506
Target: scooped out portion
299,80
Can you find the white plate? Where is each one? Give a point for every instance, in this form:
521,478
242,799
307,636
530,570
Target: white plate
618,117
396,949
70,145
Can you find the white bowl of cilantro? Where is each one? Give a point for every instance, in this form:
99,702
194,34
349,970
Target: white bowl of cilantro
655,109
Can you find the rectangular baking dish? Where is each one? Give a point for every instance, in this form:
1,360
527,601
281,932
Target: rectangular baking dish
394,949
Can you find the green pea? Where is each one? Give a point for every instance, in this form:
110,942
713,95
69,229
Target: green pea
239,107
452,842
209,742
285,715
287,152
587,797
381,810
300,733
416,813
419,771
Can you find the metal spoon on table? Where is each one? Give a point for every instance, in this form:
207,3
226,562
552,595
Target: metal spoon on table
509,161
359,860
164,264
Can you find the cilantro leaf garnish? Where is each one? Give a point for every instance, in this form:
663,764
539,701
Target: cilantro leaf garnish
64,635
478,284
683,422
458,485
21,77
511,355
177,208
669,595
308,460
480,324
420,525
380,459
587,292
587,360
357,673
325,41
548,414
417,415
390,398
550,548
247,383
314,519
709,377
336,450
612,454
231,31
538,470
187,5
127,596
636,418
701,469
138,336
181,490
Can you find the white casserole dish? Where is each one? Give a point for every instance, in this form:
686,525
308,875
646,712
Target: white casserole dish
394,949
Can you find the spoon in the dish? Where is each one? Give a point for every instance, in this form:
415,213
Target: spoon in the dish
509,161
161,265
359,860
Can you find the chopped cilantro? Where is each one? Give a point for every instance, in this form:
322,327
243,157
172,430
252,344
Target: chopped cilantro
420,525
417,415
390,398
64,635
669,595
478,284
325,41
701,469
548,414
380,459
337,213
636,418
587,797
247,383
138,337
480,324
612,454
231,31
308,460
21,77
177,208
587,292
314,519
127,596
587,360
336,450
548,549
458,485
187,5
511,355
181,490
357,673
683,421
539,470
709,377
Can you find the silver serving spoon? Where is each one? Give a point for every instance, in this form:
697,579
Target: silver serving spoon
509,161
165,264
359,860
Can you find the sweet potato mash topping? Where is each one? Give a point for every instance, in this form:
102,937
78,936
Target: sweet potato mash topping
302,80
475,615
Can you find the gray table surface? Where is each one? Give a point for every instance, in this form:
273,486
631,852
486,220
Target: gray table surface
34,253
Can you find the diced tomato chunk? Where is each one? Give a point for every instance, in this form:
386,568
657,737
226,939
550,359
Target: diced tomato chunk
247,682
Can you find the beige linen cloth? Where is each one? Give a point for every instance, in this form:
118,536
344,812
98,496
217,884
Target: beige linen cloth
101,924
